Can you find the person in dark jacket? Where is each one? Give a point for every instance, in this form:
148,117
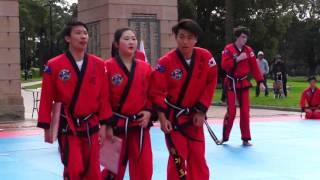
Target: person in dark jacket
279,68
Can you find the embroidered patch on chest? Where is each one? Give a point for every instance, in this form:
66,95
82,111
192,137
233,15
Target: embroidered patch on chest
176,74
117,79
64,74
309,94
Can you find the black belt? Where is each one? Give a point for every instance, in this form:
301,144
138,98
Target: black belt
177,159
92,130
79,120
130,118
179,127
180,110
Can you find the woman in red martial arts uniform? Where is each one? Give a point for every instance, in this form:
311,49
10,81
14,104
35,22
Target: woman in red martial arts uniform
129,80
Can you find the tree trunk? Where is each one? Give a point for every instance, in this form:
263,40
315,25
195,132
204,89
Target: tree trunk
229,20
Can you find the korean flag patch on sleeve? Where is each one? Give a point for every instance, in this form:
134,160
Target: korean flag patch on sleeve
251,54
212,62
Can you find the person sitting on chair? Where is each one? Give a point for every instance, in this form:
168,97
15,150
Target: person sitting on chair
310,100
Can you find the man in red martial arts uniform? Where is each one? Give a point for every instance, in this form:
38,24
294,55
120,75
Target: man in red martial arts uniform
129,81
310,100
238,60
77,80
182,88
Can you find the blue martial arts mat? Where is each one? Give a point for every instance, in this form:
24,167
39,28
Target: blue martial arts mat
288,150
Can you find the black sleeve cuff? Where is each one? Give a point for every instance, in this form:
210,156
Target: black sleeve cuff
149,110
112,121
200,107
159,109
43,125
259,82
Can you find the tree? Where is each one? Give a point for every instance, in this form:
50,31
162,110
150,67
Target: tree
35,21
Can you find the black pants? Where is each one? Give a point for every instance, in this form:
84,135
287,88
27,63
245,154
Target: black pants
265,84
285,87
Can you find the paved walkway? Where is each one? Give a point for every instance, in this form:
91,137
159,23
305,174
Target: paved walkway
30,83
215,113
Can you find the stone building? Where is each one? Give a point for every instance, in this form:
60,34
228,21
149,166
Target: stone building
151,19
11,101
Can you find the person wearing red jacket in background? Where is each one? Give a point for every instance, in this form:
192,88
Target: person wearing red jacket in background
182,88
78,80
310,100
238,60
128,81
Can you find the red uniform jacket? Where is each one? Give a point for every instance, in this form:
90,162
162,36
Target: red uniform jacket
182,84
140,55
131,87
242,69
310,99
60,82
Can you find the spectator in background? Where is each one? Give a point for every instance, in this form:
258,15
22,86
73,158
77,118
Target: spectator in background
280,68
310,100
264,69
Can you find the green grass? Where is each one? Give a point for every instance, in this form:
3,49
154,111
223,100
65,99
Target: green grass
32,87
31,80
292,101
296,86
35,75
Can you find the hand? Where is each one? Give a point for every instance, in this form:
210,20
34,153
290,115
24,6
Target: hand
241,57
166,125
307,109
262,87
48,136
199,118
144,120
102,134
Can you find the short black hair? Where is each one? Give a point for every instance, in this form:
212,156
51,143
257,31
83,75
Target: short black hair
241,30
188,25
312,78
70,25
68,28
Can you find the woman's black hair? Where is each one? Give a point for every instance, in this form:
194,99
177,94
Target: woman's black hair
116,40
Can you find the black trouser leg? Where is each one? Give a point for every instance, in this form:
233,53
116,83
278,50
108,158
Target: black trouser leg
285,87
257,90
265,84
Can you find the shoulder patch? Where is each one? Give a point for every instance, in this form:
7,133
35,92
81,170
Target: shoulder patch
212,62
160,68
47,69
225,52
